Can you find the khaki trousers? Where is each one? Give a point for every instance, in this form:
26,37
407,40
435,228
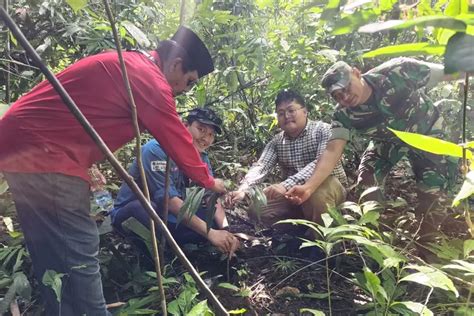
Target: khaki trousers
330,193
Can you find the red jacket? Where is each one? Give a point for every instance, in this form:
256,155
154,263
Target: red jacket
38,134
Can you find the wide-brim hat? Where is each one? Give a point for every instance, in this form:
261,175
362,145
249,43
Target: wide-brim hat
337,77
196,49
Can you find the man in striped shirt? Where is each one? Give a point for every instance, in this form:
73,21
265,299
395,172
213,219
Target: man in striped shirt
295,150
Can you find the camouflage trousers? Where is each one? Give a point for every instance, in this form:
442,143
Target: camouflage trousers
433,173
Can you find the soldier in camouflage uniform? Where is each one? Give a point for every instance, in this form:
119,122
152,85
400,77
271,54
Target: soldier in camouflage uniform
390,95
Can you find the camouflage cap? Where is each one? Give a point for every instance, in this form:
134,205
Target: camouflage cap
337,77
206,116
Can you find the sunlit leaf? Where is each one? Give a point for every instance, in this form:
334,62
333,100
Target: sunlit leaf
436,21
200,309
412,49
469,145
431,144
353,21
136,33
459,55
77,5
418,308
430,277
467,189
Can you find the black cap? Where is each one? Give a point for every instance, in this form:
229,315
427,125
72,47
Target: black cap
205,116
196,50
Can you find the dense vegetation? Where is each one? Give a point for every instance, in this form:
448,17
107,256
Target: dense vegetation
259,47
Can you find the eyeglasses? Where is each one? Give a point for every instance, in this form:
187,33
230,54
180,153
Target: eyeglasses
291,112
340,94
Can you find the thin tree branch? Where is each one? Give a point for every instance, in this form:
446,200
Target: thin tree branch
138,152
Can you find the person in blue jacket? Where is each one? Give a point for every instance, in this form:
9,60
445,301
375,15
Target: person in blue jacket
203,124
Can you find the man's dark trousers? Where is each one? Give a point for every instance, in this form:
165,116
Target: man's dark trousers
53,211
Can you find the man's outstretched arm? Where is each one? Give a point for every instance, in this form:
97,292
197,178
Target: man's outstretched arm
326,163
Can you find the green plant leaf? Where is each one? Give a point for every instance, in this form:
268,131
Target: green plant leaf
441,21
191,204
133,225
229,286
468,247
314,312
430,277
53,280
418,308
412,49
431,144
459,54
461,265
237,311
136,33
469,145
77,5
200,309
18,285
370,217
467,189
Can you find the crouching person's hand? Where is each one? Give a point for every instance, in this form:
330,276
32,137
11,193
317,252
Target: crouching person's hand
224,241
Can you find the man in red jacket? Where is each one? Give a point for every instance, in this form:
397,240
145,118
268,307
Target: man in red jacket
45,155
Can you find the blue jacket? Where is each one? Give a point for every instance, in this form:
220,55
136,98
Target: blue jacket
154,163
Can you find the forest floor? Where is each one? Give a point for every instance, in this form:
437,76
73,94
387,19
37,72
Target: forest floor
270,275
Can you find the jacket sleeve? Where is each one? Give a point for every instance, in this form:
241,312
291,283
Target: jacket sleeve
157,112
262,167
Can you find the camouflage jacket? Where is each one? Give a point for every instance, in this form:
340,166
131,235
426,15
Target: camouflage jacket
398,101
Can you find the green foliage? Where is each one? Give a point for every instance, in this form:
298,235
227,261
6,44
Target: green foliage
191,204
53,280
258,200
186,303
458,56
431,144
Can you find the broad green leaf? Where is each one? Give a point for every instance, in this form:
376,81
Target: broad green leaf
456,7
19,286
430,277
370,217
459,56
191,203
436,21
373,283
200,309
461,265
229,286
53,280
412,49
415,307
352,22
314,312
77,5
468,247
334,212
132,224
469,145
467,189
136,33
431,144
